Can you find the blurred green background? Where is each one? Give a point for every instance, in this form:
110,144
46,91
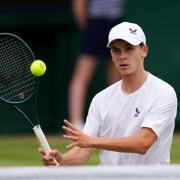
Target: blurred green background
49,29
21,150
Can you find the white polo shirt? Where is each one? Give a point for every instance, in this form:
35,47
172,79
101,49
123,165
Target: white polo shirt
113,113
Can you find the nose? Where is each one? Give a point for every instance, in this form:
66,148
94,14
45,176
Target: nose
122,56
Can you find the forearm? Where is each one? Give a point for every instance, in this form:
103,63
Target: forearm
76,156
139,143
79,10
132,144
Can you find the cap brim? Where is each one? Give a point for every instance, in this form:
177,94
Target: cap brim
131,41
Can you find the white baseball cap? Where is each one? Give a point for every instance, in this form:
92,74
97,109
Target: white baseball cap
129,32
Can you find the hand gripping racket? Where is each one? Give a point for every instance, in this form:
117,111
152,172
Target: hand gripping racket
17,85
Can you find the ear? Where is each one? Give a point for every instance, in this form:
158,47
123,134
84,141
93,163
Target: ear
145,50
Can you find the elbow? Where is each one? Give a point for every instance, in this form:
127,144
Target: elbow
145,142
143,148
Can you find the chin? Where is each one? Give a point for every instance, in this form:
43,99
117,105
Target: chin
125,73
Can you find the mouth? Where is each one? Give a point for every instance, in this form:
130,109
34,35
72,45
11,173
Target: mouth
123,65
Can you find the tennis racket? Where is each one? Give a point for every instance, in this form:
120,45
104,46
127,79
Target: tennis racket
17,85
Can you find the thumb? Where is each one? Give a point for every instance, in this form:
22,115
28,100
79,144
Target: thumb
57,155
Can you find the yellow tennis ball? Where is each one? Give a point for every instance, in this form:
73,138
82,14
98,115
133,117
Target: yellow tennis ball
38,67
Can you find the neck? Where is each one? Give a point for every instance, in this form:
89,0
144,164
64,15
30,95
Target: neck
133,82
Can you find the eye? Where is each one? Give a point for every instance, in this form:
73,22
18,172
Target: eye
129,48
115,50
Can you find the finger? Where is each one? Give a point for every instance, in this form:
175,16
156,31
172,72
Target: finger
49,163
72,145
47,160
73,138
58,156
41,151
53,152
69,130
70,125
45,163
50,159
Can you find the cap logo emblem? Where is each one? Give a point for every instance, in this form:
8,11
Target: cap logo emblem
133,31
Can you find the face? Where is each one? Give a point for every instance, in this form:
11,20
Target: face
127,58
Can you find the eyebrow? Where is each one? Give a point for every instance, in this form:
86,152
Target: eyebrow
124,45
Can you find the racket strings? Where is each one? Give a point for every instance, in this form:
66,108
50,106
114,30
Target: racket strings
17,87
16,82
9,52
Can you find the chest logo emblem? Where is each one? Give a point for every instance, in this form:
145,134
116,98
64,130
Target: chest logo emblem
137,113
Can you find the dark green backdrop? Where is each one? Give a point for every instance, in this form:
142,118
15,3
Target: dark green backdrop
50,31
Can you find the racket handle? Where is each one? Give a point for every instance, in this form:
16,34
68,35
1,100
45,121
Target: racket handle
42,140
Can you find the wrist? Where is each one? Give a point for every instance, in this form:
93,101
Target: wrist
93,142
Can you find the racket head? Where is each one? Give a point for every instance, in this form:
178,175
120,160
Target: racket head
17,84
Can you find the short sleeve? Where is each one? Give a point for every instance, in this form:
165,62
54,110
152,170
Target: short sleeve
92,124
162,113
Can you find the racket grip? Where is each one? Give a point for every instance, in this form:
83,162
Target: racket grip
41,138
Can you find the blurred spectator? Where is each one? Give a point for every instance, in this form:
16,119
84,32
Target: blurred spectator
95,18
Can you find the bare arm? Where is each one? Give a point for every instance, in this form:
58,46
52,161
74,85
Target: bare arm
139,143
79,10
135,144
75,156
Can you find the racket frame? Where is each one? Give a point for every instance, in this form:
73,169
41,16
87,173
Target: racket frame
36,128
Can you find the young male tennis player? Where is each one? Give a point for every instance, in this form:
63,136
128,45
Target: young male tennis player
131,121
